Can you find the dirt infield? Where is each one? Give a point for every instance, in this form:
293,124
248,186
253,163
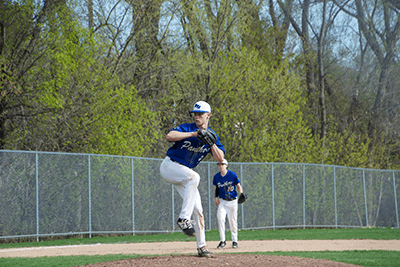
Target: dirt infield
184,253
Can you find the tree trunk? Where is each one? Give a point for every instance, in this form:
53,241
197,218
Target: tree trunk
90,15
321,73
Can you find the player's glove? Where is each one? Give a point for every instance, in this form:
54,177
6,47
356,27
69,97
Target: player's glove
207,137
242,198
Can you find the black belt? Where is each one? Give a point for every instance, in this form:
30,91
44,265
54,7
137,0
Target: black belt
227,199
176,162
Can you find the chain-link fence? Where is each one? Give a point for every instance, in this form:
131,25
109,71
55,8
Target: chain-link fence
47,194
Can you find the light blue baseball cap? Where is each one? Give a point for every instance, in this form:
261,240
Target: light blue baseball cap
202,107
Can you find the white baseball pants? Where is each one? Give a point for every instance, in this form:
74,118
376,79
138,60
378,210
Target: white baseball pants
186,181
229,208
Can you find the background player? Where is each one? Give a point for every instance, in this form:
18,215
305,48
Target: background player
226,182
177,168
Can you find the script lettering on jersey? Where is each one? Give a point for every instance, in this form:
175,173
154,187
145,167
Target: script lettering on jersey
189,147
228,185
225,184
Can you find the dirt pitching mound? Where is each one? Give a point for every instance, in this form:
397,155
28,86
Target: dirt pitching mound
233,260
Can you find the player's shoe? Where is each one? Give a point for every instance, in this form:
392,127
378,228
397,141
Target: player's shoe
234,244
186,226
203,252
221,244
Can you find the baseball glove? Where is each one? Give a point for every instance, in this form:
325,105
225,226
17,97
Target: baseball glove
242,198
207,137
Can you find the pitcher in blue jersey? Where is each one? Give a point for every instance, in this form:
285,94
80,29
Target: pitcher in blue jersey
177,168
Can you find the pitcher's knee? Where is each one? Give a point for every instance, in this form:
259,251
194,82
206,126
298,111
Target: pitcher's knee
195,178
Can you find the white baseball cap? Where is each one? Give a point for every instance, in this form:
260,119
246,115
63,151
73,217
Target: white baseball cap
201,107
224,162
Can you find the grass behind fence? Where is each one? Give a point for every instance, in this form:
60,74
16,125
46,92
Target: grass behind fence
363,258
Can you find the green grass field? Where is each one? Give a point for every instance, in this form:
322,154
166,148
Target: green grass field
363,258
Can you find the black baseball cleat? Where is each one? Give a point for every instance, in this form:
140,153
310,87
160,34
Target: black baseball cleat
221,244
234,244
203,252
186,226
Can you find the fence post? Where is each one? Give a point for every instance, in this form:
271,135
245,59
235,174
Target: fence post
334,194
304,196
90,198
133,197
241,179
173,207
209,196
37,197
273,200
395,200
365,200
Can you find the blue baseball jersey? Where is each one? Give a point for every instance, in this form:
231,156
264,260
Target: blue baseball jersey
226,185
190,151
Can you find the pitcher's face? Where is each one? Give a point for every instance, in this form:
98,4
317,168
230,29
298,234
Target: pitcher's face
201,119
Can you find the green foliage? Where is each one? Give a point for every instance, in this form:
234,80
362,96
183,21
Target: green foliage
122,124
67,88
78,105
384,154
258,110
346,149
